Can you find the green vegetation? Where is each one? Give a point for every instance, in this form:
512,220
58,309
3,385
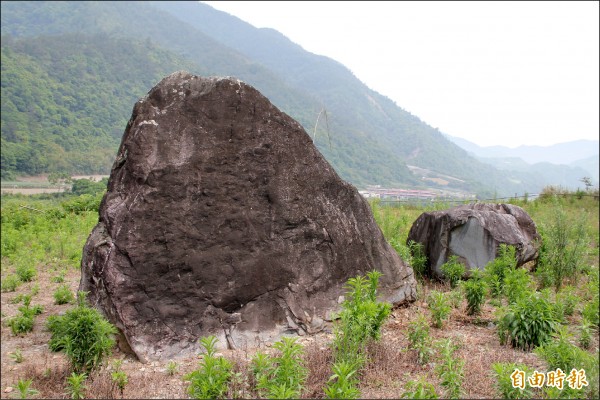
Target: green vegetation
210,381
24,390
440,309
450,369
557,328
453,270
504,381
83,334
361,318
419,389
76,385
419,339
63,295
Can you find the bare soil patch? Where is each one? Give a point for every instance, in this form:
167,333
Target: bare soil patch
391,363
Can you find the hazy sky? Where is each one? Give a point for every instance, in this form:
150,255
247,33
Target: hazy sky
506,73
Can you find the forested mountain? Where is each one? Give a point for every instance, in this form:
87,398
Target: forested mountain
71,72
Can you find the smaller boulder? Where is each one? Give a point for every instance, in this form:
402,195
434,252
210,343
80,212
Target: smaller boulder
474,232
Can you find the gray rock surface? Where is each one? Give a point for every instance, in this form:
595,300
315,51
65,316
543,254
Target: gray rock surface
221,217
474,232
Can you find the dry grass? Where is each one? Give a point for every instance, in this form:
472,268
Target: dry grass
390,364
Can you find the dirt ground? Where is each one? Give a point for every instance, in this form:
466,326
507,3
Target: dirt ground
391,365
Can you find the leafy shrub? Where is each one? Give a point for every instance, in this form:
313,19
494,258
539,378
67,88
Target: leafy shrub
26,272
450,370
453,270
210,381
585,334
83,334
24,389
361,318
568,297
529,322
560,353
419,339
63,295
440,309
474,289
496,269
418,259
455,297
564,246
343,383
517,284
76,386
282,376
120,379
83,203
10,283
504,384
420,389
590,311
23,322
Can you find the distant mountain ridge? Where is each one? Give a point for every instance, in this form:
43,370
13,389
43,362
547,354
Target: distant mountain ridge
561,164
370,139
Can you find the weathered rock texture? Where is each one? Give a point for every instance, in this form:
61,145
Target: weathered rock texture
221,217
474,232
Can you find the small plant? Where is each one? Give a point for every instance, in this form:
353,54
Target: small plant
590,311
60,278
568,297
35,289
120,379
172,368
419,339
23,322
474,289
529,322
504,382
440,309
83,334
450,369
10,283
455,297
496,269
210,381
420,389
585,334
283,375
26,273
560,353
343,383
361,318
24,389
63,295
76,386
517,284
418,259
564,246
453,270
17,356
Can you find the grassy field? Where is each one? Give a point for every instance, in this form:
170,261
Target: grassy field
434,344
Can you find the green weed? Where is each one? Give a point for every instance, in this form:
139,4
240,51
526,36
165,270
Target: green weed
24,390
76,386
504,382
529,322
419,389
453,270
210,380
63,295
419,339
343,383
440,309
83,334
474,290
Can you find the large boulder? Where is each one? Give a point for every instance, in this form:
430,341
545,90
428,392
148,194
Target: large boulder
221,217
474,232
